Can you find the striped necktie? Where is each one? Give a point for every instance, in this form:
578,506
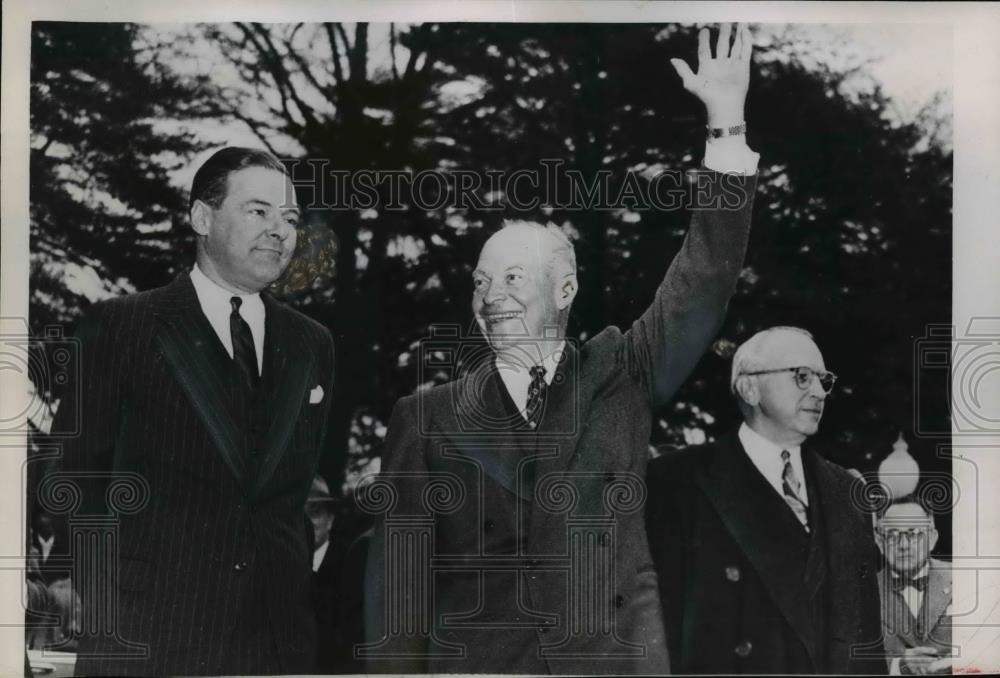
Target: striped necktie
791,487
536,396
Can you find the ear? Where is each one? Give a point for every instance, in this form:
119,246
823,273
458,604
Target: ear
565,291
932,538
201,217
747,390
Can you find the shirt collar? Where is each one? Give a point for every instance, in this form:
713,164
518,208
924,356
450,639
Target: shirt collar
766,456
319,554
215,296
757,445
550,362
923,572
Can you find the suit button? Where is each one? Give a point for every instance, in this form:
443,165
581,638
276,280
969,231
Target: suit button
733,573
743,649
240,566
619,601
489,525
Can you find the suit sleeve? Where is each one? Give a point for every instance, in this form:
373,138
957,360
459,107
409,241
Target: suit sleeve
402,453
873,660
666,342
90,405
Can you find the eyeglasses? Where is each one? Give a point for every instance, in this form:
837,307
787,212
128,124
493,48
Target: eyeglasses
804,376
913,534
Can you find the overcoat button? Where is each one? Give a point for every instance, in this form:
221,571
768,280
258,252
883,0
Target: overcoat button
743,649
489,525
619,601
240,566
733,573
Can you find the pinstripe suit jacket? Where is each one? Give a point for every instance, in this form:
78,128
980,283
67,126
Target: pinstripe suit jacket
514,594
213,571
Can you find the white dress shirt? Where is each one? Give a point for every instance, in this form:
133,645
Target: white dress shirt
319,554
517,377
766,456
215,305
914,598
46,546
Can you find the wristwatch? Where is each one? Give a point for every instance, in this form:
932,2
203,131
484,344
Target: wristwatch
732,131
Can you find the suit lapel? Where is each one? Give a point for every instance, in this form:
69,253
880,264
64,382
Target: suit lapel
201,365
486,427
741,498
562,424
937,596
815,574
896,615
284,382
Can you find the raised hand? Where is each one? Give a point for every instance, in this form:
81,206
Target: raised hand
721,81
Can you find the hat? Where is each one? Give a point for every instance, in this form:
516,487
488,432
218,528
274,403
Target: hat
319,492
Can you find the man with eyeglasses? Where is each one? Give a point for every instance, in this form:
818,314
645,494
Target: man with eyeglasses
915,591
765,564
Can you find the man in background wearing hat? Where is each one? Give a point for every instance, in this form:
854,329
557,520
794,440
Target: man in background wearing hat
329,549
915,590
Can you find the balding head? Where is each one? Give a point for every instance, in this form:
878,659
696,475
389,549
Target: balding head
772,401
524,283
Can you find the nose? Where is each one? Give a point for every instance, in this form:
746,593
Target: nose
278,227
816,388
494,293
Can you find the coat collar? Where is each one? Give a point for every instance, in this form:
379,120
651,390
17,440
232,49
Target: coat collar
481,422
202,366
742,497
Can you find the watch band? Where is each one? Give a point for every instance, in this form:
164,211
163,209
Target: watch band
720,132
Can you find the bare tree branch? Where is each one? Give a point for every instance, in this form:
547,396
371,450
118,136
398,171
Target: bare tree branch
392,52
338,71
306,70
281,73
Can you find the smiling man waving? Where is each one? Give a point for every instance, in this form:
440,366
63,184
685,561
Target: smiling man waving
513,541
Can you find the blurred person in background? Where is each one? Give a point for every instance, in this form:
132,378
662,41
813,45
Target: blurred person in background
915,591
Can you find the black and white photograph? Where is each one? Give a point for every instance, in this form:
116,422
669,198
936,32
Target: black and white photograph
565,338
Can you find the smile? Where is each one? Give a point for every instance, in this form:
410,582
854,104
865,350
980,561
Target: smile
497,317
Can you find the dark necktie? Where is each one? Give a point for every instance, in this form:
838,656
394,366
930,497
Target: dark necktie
900,583
244,353
791,487
536,395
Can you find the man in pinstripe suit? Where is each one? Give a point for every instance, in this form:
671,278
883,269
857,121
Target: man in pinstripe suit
212,397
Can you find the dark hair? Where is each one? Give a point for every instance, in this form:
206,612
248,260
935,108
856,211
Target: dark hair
211,181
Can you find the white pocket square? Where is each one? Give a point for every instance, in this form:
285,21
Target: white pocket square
316,395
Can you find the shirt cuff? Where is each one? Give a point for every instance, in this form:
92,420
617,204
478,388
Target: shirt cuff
731,154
